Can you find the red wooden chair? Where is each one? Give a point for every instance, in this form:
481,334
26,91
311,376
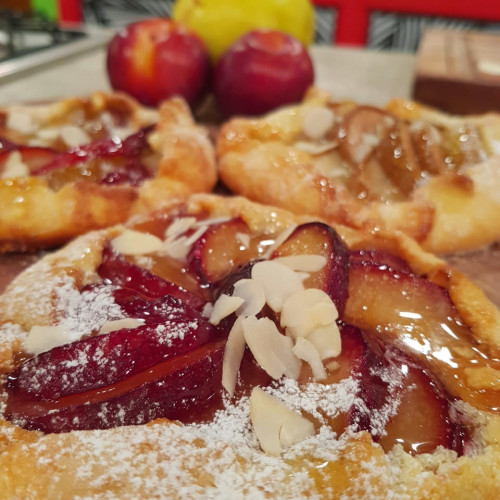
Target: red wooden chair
353,16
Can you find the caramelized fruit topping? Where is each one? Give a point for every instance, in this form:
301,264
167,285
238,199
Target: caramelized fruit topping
399,335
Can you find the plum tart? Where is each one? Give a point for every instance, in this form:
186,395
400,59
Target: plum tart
84,163
404,167
222,348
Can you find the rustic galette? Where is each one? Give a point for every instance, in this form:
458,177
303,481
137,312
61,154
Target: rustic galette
225,349
84,163
405,167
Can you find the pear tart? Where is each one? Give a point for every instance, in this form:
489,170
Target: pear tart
224,349
404,167
84,163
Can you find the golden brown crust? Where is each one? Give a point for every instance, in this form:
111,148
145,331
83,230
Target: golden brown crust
165,460
33,214
271,160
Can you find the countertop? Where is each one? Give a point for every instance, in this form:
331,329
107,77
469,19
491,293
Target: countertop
366,76
348,73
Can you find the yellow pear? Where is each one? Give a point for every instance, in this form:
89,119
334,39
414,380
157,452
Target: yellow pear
221,22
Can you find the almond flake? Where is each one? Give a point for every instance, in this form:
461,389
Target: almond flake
21,121
14,166
271,349
207,310
306,310
132,242
120,324
223,307
317,122
195,236
307,263
177,248
327,340
233,354
45,338
279,240
210,222
74,136
253,294
316,149
306,351
278,281
275,425
49,133
179,226
243,238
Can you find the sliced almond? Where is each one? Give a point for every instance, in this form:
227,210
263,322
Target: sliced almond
326,339
209,222
179,226
306,310
307,263
318,120
278,281
21,121
223,307
281,238
14,166
44,338
316,148
176,248
49,133
233,354
132,242
275,425
207,310
307,352
121,133
120,324
196,234
74,136
253,294
244,239
271,349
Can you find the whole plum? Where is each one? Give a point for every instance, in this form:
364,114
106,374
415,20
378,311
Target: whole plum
263,70
155,59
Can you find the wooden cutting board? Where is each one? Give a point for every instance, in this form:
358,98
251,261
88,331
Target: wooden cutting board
459,71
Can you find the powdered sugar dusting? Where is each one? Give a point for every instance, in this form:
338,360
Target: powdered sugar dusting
219,460
82,313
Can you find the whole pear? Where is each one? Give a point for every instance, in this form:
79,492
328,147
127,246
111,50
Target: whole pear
221,22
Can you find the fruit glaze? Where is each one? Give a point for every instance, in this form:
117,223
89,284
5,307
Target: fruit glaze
229,333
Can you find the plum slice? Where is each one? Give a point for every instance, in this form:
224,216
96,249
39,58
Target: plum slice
186,387
105,161
221,250
401,404
364,127
423,421
316,238
102,360
381,258
396,402
132,146
419,316
33,157
117,270
7,145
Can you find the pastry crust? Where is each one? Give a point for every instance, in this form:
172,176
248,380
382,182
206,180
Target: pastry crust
35,214
407,167
165,460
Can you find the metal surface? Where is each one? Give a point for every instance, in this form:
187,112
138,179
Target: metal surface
24,65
